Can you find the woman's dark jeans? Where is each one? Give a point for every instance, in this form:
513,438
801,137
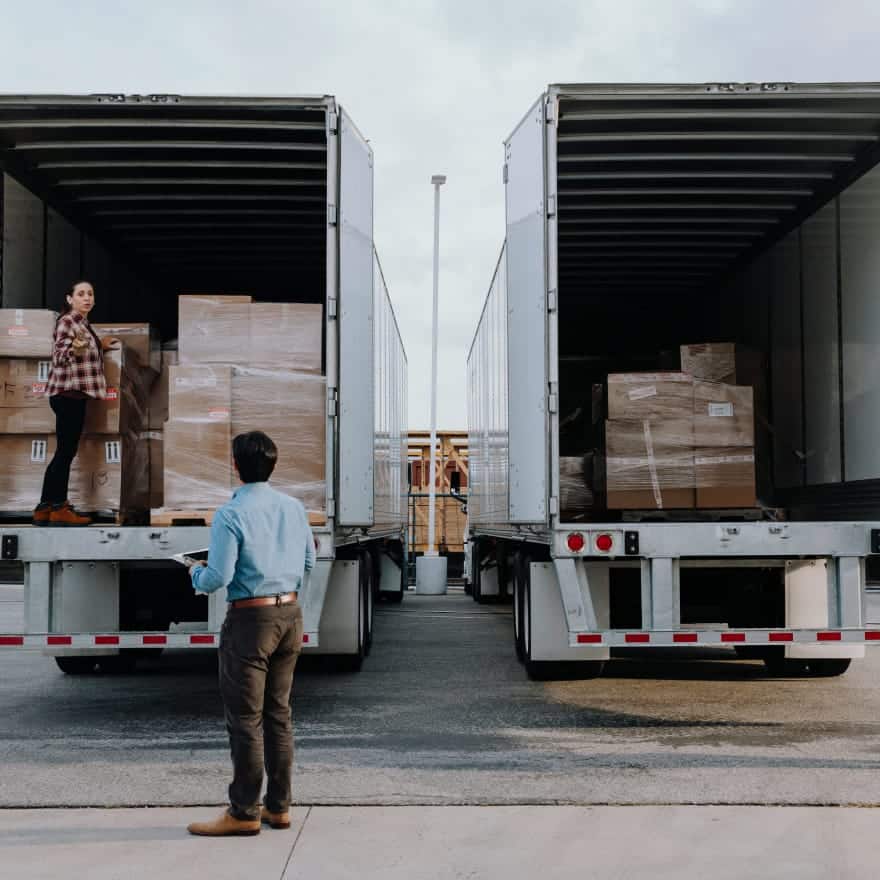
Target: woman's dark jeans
70,415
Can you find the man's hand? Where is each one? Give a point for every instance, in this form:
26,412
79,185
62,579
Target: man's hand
194,563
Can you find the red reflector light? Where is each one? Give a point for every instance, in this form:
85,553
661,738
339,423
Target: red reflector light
637,637
106,640
305,638
59,640
685,637
201,640
575,542
828,637
604,543
11,640
873,635
781,637
155,640
589,638
733,637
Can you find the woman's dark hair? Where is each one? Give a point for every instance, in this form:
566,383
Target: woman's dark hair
255,455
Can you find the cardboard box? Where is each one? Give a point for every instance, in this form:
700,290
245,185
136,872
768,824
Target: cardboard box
650,395
125,409
200,392
159,391
23,382
197,464
287,334
27,333
650,464
291,408
724,415
27,419
722,362
725,477
111,472
24,460
213,329
108,473
142,339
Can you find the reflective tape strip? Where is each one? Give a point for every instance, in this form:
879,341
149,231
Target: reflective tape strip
121,640
719,638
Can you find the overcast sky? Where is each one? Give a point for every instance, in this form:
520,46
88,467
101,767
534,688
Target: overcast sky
436,87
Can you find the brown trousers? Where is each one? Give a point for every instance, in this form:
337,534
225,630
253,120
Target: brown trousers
259,647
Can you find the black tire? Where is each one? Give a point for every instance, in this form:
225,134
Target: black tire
828,668
369,590
518,611
76,665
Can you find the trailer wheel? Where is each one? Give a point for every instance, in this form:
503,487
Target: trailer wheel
518,606
76,665
369,588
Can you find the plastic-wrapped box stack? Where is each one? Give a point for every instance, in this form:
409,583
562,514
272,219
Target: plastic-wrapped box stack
111,470
245,366
724,423
649,441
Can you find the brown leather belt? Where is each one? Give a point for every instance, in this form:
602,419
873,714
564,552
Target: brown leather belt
282,599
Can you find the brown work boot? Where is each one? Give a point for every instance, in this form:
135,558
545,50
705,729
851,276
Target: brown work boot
225,826
65,515
42,512
275,820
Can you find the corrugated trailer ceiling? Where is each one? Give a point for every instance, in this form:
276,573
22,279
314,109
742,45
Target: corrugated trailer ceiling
666,188
197,188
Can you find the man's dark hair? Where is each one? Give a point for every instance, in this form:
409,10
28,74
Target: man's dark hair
255,455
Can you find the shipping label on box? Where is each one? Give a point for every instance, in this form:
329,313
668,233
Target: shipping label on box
724,415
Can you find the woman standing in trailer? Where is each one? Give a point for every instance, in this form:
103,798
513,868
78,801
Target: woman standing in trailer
77,375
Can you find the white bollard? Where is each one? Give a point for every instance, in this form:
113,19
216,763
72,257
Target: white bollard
431,576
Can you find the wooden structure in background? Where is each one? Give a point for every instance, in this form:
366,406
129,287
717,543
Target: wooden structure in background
450,520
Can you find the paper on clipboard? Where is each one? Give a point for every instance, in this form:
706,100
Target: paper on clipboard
194,555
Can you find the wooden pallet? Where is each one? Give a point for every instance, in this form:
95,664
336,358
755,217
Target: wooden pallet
204,517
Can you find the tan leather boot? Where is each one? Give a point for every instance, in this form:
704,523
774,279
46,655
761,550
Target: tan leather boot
278,821
42,512
65,515
225,826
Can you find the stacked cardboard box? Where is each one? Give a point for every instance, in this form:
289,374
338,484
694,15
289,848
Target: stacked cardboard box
649,439
245,366
111,470
737,457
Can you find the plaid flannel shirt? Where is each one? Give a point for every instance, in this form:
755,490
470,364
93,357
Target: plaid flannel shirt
71,372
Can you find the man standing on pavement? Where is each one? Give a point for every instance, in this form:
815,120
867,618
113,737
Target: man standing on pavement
261,547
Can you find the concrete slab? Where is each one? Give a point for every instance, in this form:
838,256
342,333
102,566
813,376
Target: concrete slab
660,843
134,844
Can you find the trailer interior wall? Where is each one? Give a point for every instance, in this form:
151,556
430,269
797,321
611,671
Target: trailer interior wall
152,196
747,214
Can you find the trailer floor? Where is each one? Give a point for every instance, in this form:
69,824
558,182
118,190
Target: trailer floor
443,714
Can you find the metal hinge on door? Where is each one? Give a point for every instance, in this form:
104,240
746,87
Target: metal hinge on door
331,215
504,174
332,122
331,307
551,301
331,403
552,403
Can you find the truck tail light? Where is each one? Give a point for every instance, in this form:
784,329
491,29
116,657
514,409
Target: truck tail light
604,543
575,542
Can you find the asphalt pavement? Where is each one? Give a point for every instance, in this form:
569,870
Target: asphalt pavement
443,714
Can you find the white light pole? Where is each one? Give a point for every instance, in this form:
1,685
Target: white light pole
438,180
431,568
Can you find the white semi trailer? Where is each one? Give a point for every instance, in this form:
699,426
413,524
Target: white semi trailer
640,217
152,196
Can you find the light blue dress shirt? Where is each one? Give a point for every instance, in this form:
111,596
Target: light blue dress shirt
261,545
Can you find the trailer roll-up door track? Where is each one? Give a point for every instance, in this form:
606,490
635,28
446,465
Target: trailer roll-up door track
641,218
151,196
